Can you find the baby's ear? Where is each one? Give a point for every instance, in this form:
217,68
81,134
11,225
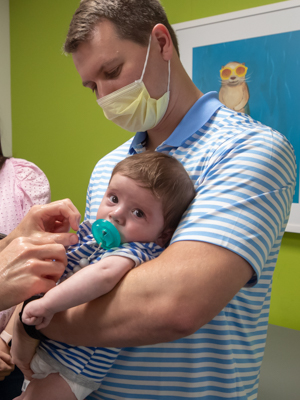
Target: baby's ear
164,237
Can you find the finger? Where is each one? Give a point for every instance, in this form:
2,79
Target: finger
66,239
14,360
36,270
5,358
75,220
63,238
61,226
5,370
5,373
42,285
42,325
29,320
40,278
66,209
44,252
51,269
40,247
8,371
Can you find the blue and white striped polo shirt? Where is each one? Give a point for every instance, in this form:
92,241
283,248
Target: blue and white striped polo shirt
244,174
88,365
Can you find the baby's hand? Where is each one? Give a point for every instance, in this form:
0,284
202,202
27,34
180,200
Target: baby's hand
35,313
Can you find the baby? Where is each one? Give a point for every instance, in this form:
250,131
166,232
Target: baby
145,199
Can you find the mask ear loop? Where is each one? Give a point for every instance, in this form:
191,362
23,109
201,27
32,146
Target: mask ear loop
146,61
169,75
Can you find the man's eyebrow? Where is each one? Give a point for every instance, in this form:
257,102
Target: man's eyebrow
105,65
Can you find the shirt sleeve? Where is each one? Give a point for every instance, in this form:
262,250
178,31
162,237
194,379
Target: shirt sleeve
243,197
32,185
138,252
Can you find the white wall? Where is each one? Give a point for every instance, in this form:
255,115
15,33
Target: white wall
5,94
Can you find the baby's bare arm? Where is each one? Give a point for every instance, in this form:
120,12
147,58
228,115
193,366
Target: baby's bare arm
86,285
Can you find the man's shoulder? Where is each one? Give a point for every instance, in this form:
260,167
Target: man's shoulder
227,127
233,122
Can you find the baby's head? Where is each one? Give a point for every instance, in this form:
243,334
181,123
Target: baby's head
146,197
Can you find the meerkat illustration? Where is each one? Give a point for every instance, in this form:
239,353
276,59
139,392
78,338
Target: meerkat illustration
234,92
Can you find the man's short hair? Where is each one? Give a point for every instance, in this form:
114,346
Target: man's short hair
165,177
133,19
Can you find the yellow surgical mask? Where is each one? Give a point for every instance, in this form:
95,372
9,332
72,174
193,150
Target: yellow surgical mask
131,106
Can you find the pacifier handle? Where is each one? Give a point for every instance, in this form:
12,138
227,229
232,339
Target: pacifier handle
106,234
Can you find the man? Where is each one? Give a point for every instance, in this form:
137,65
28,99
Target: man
200,310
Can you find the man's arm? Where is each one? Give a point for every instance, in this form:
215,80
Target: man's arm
50,221
164,299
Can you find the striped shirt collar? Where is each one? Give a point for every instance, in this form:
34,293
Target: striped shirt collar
194,119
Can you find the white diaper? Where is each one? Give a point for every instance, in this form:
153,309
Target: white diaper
41,370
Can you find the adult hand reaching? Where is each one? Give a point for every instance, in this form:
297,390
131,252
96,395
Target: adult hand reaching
55,218
33,255
29,266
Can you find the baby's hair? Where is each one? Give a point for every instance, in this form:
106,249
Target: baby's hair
165,177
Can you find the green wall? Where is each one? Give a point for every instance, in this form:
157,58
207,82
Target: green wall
58,125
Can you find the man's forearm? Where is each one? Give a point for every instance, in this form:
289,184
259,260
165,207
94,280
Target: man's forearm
160,301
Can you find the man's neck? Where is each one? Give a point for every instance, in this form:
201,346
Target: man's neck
178,108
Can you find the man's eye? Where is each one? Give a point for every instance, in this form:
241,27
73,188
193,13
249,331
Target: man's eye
138,213
114,73
113,199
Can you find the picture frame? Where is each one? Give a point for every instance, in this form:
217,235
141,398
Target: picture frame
266,40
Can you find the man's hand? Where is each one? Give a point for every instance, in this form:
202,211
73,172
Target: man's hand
6,364
23,349
55,218
29,266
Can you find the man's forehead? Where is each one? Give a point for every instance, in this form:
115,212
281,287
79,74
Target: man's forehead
104,30
95,55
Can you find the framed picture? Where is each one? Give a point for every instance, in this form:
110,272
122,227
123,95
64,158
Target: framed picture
258,47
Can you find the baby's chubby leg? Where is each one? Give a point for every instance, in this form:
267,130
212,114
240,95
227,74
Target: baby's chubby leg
53,387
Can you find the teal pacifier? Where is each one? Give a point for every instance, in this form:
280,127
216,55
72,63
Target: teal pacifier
106,234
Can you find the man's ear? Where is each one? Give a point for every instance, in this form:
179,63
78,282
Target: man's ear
164,237
163,37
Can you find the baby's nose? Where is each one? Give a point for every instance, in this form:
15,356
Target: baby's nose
118,216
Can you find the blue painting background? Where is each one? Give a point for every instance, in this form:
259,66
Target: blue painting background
273,78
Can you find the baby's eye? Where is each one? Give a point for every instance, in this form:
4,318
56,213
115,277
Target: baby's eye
138,213
113,199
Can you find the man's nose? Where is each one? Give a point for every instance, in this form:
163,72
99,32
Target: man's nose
102,89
